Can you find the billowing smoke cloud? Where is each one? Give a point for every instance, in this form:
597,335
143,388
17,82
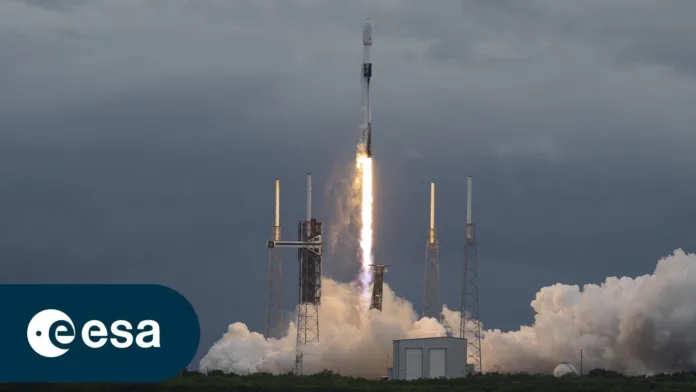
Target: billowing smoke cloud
640,325
637,326
353,341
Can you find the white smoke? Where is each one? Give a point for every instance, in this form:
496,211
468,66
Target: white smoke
353,341
640,325
341,239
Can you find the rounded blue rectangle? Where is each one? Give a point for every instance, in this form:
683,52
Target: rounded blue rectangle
95,333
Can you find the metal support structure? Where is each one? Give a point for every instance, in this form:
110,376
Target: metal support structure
310,252
310,260
273,322
378,285
432,306
315,244
470,321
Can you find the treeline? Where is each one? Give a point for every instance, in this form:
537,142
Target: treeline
188,381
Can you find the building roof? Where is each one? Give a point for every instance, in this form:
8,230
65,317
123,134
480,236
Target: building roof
434,337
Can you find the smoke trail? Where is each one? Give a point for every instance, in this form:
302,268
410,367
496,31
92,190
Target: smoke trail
640,325
341,243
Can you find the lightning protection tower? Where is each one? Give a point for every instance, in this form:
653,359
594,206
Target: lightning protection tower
470,323
431,293
377,285
310,250
273,323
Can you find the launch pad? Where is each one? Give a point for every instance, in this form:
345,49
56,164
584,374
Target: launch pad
309,245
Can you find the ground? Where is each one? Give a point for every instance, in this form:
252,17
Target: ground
596,380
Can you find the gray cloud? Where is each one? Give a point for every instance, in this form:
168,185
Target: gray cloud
140,140
59,5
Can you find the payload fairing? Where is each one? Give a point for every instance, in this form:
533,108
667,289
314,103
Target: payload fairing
366,76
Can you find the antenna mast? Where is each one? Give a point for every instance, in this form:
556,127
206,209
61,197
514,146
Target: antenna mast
431,292
273,323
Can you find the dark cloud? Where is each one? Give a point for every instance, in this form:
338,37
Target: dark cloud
55,5
140,141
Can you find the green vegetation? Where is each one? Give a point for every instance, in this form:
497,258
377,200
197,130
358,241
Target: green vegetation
596,380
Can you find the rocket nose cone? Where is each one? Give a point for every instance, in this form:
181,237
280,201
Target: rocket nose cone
367,32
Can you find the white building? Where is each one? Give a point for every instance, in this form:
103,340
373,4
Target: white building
428,358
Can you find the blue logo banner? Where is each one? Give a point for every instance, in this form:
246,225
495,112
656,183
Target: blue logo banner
95,333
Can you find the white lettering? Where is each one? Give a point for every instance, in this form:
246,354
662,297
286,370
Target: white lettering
121,333
88,333
51,331
154,332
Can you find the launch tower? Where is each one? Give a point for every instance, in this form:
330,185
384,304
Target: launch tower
470,323
309,255
310,281
432,306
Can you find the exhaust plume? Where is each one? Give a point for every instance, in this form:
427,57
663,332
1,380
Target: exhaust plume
342,242
353,341
364,164
640,325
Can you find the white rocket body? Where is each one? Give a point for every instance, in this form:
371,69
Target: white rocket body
367,33
366,77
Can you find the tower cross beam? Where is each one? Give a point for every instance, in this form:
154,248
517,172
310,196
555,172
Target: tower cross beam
314,244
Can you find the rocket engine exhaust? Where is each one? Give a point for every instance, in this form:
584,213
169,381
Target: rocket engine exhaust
364,166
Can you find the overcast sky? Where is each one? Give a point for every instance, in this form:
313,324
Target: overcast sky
140,140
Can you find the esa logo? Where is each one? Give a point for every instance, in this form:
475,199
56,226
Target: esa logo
50,332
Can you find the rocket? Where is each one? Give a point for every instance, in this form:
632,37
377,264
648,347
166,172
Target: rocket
366,76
